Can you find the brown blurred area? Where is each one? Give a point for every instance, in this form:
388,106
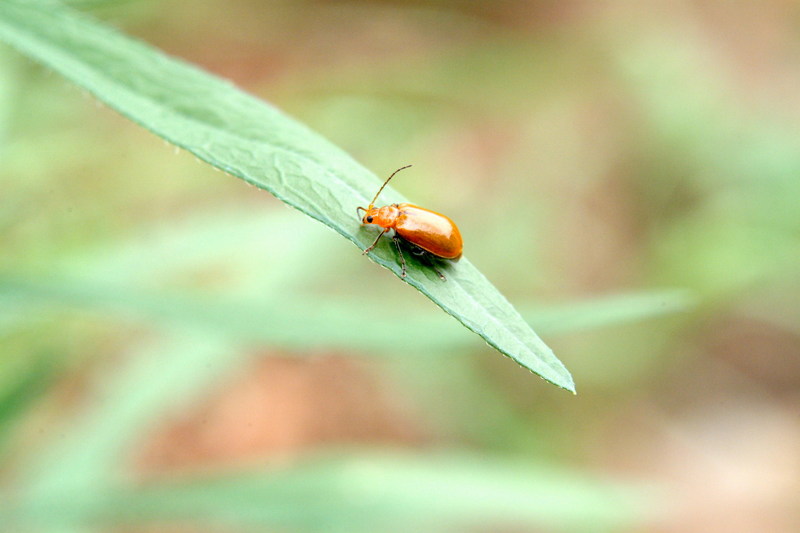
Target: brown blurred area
278,409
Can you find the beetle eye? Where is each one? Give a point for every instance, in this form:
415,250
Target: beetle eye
369,219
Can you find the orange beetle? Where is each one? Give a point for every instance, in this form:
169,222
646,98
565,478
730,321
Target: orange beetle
427,232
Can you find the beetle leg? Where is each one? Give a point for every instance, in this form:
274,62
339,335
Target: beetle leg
428,257
396,240
365,252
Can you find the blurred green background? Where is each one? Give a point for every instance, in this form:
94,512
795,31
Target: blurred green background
626,173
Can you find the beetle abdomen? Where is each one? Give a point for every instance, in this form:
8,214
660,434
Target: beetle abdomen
431,231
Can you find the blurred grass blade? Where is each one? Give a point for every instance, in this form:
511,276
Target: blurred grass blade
254,141
240,240
370,492
609,310
287,320
21,385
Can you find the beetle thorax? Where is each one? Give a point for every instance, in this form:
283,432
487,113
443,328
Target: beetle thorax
385,216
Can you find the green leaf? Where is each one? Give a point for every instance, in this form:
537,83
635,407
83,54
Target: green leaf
252,140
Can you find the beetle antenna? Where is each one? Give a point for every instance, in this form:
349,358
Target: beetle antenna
372,203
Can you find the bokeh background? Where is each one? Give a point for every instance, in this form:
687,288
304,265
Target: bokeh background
627,173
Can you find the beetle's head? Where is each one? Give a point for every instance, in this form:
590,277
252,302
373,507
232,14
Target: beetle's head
369,214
